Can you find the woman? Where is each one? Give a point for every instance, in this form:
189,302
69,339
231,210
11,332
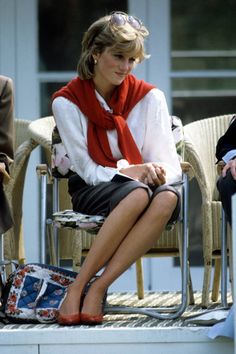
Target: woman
117,134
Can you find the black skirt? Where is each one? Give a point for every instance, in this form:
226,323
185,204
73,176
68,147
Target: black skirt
101,199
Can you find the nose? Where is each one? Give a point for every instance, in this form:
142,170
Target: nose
125,65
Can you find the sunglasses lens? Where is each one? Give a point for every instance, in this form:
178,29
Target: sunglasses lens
134,22
118,19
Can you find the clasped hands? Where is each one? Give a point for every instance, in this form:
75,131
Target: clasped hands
231,165
149,173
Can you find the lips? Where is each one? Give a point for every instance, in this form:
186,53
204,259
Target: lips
121,75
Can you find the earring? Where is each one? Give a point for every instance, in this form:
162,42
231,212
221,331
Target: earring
95,61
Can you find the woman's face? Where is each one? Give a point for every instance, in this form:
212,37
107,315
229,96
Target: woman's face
111,69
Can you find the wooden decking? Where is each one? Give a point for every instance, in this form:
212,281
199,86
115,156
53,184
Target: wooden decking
119,333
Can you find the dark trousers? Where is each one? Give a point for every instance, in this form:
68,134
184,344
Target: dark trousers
227,187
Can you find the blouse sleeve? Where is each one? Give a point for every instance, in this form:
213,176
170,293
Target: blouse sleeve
159,143
72,126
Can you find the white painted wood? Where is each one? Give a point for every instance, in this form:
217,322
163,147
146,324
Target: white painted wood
85,340
27,107
155,14
138,8
159,44
18,60
19,349
27,100
7,38
144,348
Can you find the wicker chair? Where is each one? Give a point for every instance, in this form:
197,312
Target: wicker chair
200,142
168,245
23,145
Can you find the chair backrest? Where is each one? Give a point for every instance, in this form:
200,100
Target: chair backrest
21,133
23,146
200,143
61,168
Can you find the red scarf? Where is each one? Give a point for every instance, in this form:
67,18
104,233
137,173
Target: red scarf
123,100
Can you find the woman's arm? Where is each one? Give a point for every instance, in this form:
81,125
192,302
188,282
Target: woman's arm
227,143
6,126
159,145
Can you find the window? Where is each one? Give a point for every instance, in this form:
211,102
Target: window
203,74
61,28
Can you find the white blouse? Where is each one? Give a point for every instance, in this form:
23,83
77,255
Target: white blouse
150,126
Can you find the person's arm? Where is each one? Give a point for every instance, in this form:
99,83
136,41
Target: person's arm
159,145
230,165
6,126
226,145
153,133
72,126
226,151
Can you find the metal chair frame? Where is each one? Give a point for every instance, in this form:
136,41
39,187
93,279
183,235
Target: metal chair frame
49,227
224,257
3,263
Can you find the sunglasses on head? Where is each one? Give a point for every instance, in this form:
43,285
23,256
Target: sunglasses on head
120,19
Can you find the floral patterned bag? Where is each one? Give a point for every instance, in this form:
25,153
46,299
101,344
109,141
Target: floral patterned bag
34,293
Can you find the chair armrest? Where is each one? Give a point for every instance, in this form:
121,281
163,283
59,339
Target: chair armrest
44,170
40,131
187,168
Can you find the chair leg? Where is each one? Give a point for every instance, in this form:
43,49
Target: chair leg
51,242
2,260
216,280
224,260
231,278
190,288
77,250
139,278
206,283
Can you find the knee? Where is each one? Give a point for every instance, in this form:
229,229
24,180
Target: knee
140,196
226,185
165,203
138,199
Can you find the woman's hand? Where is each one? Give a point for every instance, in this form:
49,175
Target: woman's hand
149,173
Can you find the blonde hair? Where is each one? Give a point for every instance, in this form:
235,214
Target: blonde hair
102,34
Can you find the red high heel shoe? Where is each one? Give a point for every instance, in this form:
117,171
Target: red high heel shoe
91,320
69,320
88,319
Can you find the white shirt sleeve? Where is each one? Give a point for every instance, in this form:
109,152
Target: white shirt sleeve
159,145
229,156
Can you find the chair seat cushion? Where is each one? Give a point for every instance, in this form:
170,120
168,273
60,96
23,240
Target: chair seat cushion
72,219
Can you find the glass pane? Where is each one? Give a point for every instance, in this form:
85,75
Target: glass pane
61,27
46,92
204,63
204,84
202,38
194,108
203,24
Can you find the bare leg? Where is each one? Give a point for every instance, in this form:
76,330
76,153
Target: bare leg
113,231
137,242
